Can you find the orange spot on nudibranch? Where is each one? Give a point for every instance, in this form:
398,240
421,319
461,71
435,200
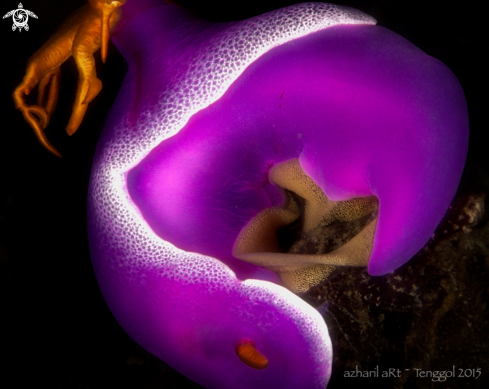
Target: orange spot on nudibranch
250,356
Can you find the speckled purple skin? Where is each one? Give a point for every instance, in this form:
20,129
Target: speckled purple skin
204,112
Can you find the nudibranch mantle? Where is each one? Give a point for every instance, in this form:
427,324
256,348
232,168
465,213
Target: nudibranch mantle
188,309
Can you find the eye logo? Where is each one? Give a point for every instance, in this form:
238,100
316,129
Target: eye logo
20,16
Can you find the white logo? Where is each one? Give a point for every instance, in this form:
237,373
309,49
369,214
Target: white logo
20,17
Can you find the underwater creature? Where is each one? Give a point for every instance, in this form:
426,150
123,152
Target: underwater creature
224,133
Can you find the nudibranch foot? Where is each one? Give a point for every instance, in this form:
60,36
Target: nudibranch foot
83,33
324,233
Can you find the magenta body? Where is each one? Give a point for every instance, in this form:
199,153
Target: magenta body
182,166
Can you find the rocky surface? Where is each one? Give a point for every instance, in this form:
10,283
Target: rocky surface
431,314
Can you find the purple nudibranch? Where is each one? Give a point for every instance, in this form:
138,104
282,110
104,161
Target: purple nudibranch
204,112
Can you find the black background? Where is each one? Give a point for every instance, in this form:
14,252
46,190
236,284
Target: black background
56,330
